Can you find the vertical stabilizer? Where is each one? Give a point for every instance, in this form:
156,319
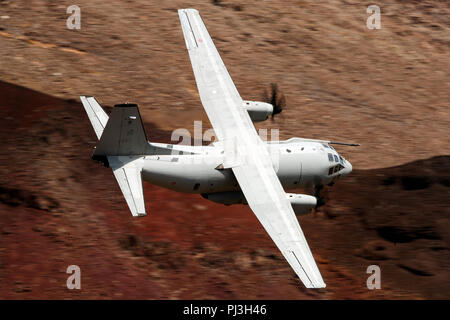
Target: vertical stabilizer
123,134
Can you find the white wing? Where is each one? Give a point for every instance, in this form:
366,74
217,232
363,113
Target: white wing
266,197
245,152
217,92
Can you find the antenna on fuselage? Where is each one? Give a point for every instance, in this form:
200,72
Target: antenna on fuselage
345,144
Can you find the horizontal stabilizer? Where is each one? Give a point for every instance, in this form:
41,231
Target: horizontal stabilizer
96,114
128,175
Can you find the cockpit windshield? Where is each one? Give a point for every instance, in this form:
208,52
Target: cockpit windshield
335,169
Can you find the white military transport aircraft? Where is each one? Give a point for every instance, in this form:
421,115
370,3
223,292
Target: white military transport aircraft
238,168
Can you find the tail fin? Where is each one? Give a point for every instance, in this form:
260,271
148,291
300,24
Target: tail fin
122,145
120,134
123,134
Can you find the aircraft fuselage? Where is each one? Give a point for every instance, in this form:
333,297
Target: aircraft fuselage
197,169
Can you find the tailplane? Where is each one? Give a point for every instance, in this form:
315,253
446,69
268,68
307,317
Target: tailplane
122,147
96,114
128,173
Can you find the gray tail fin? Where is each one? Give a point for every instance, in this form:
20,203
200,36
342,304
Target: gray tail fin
123,135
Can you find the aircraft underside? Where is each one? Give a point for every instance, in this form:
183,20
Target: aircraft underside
192,175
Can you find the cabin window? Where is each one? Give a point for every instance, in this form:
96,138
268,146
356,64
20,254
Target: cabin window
288,150
330,157
196,186
336,158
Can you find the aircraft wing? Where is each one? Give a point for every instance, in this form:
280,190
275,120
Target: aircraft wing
219,96
245,152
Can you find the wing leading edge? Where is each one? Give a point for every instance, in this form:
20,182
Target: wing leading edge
245,152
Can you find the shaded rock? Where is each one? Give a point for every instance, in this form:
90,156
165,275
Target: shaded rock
376,250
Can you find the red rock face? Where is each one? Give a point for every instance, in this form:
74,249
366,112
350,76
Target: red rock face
60,208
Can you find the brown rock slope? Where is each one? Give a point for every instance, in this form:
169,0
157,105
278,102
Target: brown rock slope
58,208
387,89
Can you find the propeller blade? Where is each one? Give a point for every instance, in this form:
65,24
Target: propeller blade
277,100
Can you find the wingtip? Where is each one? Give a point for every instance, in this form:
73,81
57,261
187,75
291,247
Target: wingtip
320,284
138,214
316,285
188,9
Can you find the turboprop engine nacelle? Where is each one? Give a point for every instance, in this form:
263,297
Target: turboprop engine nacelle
301,203
227,198
258,111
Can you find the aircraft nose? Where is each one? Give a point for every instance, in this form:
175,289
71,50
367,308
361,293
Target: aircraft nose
348,168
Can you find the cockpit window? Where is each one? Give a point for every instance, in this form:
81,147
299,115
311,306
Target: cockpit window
335,169
341,160
336,158
325,145
330,157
